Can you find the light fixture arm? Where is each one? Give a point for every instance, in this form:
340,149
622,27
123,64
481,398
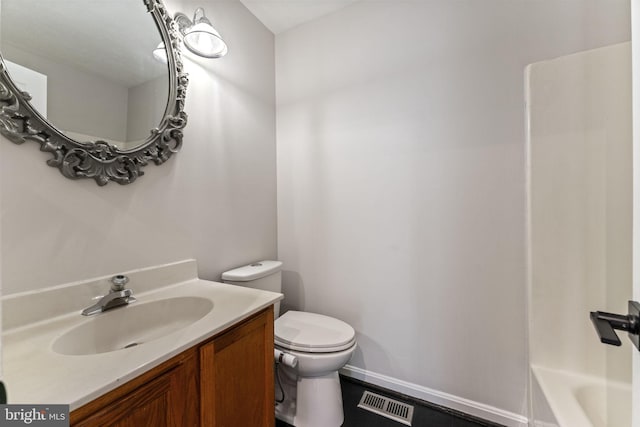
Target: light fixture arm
198,17
183,22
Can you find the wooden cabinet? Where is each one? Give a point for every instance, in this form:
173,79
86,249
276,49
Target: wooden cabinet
236,385
225,381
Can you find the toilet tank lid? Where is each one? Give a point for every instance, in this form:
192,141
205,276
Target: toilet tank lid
256,270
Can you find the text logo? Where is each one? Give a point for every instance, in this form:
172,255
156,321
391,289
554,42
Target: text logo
34,415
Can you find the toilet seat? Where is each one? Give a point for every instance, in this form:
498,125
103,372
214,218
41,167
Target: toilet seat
312,333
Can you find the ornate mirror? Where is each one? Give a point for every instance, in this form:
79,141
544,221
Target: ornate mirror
98,84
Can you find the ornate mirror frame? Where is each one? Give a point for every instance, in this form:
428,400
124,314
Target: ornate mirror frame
104,162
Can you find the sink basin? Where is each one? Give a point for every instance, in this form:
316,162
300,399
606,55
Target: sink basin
132,325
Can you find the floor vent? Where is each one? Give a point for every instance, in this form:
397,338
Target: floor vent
397,411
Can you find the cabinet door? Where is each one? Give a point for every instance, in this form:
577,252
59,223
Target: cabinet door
168,399
236,383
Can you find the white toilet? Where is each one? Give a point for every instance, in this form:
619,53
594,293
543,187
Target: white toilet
320,344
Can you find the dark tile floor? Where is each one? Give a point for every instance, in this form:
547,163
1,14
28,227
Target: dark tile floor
424,414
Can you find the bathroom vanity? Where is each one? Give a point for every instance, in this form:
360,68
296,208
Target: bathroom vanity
225,381
188,352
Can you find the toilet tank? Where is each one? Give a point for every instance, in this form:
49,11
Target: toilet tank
264,275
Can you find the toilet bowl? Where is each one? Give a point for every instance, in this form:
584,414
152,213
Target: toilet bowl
310,391
307,392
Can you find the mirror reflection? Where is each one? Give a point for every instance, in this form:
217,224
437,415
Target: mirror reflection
89,66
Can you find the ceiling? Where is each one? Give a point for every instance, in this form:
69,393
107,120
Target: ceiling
281,15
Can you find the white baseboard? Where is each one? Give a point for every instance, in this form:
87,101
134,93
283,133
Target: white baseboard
467,406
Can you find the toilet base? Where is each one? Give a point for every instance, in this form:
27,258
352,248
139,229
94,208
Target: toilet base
310,401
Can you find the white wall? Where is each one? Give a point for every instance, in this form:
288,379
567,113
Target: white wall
401,182
214,201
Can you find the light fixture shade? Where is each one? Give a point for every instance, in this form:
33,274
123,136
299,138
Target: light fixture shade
202,39
160,53
199,36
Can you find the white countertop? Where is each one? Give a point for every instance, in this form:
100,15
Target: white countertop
35,374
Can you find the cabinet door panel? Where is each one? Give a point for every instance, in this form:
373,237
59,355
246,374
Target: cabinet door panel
237,376
146,404
165,396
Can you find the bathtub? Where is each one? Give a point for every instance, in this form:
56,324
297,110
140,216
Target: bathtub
568,399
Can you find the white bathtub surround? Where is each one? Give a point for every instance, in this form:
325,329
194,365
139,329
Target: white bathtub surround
579,109
35,373
584,400
580,176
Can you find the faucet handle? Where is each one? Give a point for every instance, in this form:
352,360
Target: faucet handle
606,323
118,282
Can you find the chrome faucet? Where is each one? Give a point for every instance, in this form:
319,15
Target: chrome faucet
116,297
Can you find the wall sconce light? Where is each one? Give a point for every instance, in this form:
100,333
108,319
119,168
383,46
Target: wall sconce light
199,36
